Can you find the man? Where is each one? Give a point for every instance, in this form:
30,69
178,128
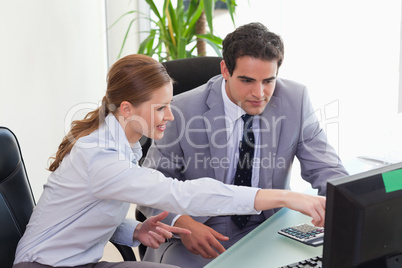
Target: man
206,140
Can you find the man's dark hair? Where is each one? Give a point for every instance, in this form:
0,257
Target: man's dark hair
254,40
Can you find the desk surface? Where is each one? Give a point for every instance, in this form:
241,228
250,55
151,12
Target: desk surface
264,247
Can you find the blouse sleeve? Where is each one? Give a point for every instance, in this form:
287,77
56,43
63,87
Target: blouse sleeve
113,177
124,233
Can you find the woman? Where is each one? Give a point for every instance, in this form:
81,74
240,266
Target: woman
95,178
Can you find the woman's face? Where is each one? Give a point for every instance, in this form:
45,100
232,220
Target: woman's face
150,117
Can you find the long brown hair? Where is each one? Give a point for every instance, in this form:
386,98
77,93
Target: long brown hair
133,78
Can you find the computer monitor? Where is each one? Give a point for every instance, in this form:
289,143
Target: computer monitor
363,222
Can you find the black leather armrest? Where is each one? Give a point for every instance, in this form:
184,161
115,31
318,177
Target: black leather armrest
126,252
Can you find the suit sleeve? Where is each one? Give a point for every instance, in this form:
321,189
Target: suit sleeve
318,159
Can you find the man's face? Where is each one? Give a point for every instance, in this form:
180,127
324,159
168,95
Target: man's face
252,83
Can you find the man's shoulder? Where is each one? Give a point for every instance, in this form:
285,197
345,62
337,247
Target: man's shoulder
190,95
290,95
286,84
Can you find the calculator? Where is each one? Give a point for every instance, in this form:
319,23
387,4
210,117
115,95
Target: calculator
305,233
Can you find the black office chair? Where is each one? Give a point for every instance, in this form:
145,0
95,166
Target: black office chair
192,72
188,74
17,200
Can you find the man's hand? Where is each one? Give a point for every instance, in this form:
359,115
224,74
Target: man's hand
153,233
203,240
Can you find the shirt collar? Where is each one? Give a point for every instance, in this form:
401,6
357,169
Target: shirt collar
133,153
232,110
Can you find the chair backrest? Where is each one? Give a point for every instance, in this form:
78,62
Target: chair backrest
192,72
188,73
16,198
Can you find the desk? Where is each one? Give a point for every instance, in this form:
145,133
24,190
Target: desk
264,247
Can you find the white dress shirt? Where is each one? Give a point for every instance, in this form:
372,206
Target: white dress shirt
85,201
235,125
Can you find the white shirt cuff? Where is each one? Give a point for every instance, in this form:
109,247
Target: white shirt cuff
124,233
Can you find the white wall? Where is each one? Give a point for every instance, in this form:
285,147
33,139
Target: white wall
347,53
53,57
118,25
344,51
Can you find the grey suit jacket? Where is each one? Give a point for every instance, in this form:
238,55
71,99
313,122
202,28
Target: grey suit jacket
195,143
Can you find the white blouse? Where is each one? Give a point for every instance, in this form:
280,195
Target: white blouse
85,201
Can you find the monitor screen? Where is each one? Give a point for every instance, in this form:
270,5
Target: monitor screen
363,222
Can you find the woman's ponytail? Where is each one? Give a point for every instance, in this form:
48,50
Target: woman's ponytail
80,128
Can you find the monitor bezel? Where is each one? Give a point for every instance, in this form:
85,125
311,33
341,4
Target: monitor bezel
345,220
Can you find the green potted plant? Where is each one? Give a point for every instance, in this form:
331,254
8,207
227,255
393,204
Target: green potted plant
180,32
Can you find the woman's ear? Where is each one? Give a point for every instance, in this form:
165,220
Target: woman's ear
126,109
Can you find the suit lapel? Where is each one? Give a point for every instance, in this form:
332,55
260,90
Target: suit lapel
217,137
270,124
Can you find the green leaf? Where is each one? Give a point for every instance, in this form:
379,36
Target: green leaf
193,20
172,33
154,9
125,38
122,16
170,15
212,38
209,6
231,7
147,43
192,7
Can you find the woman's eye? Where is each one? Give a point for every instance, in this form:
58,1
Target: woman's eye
161,108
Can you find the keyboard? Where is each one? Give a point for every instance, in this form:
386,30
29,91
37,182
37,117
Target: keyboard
305,233
315,262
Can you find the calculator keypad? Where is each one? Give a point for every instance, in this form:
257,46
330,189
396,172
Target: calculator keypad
303,232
